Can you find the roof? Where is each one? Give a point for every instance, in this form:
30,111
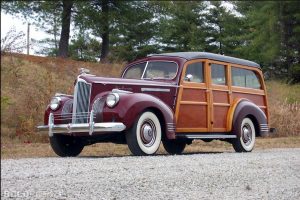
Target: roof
212,56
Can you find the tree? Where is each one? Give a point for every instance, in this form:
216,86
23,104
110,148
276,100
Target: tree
271,36
135,32
125,27
83,47
223,29
182,25
65,28
97,15
49,15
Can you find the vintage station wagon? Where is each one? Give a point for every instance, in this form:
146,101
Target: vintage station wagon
171,98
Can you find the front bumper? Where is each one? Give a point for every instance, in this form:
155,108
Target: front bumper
81,128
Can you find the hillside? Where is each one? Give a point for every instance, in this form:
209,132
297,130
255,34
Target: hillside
28,82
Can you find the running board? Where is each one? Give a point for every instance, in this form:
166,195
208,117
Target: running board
208,136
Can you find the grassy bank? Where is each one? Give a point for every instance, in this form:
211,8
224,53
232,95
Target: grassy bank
28,82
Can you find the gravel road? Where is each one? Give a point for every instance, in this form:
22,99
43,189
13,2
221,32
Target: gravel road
263,174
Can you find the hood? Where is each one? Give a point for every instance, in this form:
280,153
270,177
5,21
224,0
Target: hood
121,81
165,91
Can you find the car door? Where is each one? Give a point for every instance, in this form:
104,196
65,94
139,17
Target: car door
192,108
220,95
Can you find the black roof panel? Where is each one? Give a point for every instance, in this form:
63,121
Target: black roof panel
212,56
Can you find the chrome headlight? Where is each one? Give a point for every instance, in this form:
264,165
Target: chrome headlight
112,99
55,103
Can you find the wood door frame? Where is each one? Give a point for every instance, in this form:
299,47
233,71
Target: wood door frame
222,88
193,85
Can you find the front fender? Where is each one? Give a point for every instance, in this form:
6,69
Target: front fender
65,106
132,105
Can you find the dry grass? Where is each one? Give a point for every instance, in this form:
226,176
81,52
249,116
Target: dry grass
28,82
284,104
34,150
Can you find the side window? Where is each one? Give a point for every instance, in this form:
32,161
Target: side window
160,70
194,73
244,78
218,74
135,72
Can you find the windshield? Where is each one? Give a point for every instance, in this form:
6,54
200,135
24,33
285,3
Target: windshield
152,70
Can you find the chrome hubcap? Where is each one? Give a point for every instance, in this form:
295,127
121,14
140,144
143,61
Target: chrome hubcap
148,133
247,134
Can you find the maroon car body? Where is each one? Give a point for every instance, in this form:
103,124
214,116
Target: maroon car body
144,108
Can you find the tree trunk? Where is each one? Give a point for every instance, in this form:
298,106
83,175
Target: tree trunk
105,33
65,29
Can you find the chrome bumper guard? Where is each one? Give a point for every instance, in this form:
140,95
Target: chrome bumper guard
80,128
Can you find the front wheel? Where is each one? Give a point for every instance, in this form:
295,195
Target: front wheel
66,146
145,135
174,146
246,136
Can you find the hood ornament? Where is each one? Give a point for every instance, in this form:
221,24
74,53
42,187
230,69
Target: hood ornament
83,71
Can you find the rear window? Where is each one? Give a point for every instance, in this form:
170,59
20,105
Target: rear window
244,78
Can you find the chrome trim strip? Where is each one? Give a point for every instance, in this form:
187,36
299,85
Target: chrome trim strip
91,123
143,84
61,94
50,124
144,69
154,90
121,91
209,136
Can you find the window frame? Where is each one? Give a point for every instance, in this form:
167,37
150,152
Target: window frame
257,75
141,78
226,66
203,72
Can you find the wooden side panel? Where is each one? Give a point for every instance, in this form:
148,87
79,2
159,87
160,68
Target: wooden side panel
220,97
257,99
220,117
189,94
192,116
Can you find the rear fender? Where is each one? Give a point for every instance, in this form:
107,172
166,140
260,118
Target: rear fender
245,108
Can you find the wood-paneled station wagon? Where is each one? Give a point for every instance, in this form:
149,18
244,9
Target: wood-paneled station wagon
172,97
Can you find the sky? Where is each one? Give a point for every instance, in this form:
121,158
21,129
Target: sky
9,21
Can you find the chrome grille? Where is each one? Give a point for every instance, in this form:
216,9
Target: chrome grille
81,102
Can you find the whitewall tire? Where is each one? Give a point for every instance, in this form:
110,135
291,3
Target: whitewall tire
145,135
246,136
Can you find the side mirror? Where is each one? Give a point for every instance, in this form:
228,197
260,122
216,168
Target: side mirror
188,77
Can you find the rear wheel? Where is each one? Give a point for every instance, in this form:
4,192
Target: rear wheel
145,135
66,146
246,136
174,146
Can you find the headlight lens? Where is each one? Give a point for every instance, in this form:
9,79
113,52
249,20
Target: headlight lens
112,99
55,102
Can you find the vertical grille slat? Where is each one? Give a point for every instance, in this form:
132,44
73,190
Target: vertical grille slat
81,103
